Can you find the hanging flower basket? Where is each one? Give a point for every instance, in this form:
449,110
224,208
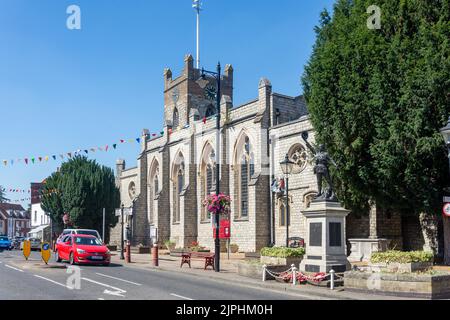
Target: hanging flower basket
220,204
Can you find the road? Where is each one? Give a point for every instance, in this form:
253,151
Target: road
33,280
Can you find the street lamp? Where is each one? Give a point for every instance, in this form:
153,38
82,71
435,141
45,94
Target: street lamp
217,77
122,257
445,131
286,167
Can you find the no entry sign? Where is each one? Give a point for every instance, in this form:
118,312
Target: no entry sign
446,209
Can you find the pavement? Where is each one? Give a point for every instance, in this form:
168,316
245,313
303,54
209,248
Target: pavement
229,274
140,280
33,280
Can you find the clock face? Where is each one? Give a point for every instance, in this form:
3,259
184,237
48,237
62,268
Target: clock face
210,92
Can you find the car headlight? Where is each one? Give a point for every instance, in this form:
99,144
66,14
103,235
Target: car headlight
81,251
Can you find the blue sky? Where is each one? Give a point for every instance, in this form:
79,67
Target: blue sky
63,90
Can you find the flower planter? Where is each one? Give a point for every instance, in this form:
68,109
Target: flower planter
275,261
252,269
424,286
144,250
400,267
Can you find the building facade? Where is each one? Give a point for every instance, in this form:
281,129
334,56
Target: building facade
40,220
175,170
14,220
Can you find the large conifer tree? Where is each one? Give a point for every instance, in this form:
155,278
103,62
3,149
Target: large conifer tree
83,188
378,97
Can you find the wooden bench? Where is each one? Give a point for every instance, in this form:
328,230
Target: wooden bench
186,257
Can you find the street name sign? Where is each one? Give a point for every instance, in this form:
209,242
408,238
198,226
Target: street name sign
118,212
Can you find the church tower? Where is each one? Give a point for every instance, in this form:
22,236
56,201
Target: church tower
190,97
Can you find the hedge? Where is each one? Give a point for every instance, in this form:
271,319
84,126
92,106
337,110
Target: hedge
281,252
401,257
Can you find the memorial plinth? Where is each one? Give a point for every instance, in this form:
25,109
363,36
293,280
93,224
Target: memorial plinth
325,245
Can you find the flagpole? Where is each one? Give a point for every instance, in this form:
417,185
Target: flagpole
197,6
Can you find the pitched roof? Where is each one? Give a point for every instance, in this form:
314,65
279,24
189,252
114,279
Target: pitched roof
9,210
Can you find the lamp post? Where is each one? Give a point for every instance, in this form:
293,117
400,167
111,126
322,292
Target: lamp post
122,257
445,131
217,76
286,167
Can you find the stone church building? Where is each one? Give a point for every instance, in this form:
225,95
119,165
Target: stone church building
175,170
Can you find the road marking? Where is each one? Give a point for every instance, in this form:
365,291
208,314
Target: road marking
105,275
100,299
105,285
52,281
8,266
176,295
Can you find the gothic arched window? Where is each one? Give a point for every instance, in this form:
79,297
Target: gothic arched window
176,119
207,179
178,185
245,170
283,218
153,191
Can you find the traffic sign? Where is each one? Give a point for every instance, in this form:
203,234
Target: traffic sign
26,248
118,212
46,252
446,209
446,199
128,211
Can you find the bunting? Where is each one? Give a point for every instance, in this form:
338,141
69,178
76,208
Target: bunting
71,154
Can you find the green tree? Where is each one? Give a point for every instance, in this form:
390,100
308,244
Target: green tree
2,195
82,188
378,97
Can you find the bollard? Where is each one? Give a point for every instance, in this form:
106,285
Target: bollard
264,273
294,274
128,252
332,279
155,255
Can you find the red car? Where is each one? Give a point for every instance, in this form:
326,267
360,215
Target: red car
81,248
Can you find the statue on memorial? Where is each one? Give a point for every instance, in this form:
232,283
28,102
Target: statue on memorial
321,160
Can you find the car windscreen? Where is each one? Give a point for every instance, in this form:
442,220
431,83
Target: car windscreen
87,241
88,232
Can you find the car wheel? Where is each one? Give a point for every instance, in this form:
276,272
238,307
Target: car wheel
57,258
71,259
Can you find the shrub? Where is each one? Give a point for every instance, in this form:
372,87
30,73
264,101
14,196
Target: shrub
169,244
401,257
281,252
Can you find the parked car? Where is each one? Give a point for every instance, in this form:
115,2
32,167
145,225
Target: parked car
82,249
91,232
16,241
5,243
35,244
77,231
